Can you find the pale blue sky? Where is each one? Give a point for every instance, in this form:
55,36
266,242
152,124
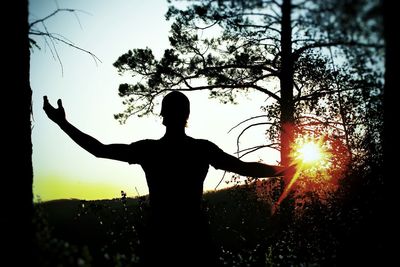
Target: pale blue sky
89,93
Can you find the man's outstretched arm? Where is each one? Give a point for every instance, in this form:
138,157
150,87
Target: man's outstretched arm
87,142
251,169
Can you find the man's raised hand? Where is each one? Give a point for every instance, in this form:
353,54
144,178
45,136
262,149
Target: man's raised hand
55,114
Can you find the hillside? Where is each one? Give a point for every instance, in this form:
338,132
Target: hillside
97,231
109,232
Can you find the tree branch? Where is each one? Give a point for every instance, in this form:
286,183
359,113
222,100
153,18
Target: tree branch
233,86
55,50
206,27
246,120
245,129
265,27
300,50
320,121
51,15
255,148
322,93
236,66
275,18
265,91
53,37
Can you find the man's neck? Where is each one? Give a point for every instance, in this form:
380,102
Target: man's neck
175,132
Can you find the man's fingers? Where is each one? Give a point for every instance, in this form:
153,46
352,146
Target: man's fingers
46,103
59,103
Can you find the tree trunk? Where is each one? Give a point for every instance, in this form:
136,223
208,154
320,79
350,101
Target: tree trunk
388,193
286,83
17,203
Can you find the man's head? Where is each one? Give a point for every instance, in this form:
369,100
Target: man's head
175,109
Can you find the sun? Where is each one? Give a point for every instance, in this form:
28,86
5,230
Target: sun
310,155
310,152
320,160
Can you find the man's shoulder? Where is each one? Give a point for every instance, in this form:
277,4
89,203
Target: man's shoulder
207,144
200,141
144,142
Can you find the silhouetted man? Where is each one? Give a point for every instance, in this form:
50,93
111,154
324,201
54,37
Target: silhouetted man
175,166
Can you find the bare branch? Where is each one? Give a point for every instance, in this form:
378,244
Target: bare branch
276,3
246,120
271,94
58,10
305,40
77,19
298,88
57,37
54,37
276,12
220,181
55,50
37,32
206,27
272,145
255,148
248,127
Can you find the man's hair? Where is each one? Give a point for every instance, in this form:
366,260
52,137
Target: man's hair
175,105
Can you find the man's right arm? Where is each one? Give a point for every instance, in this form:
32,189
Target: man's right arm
94,146
87,142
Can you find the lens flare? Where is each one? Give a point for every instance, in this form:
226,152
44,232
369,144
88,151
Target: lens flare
320,162
310,152
311,155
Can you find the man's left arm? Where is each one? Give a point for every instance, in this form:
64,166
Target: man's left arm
224,161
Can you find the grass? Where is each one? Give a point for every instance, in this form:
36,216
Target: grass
109,232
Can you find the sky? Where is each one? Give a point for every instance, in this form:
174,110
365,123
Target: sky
88,89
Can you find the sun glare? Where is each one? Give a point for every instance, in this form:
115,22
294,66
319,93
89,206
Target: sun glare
310,152
320,160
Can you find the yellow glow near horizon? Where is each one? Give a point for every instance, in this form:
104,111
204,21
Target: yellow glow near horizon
56,187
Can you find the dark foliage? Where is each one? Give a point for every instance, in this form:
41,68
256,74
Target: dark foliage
346,230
